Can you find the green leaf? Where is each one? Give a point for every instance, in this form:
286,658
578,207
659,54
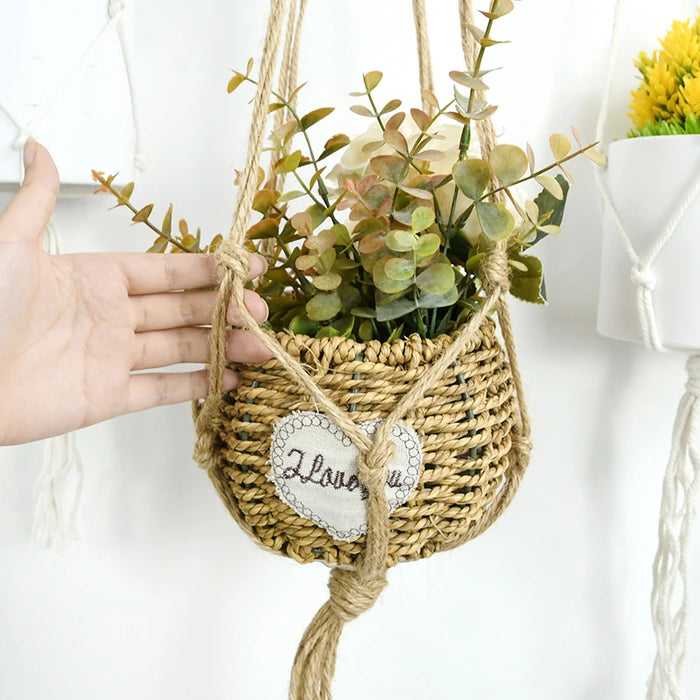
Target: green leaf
288,164
372,79
390,106
422,218
436,301
303,223
361,110
306,262
327,282
421,119
402,241
428,245
391,168
472,176
369,225
159,245
499,8
303,325
235,81
396,140
395,309
126,192
322,241
395,121
385,283
365,331
142,214
324,306
363,312
468,80
496,221
315,116
560,145
267,228
167,226
596,156
289,196
509,163
547,203
264,199
551,185
400,268
334,143
317,214
527,285
437,279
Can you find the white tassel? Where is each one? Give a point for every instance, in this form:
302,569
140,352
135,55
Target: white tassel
57,494
59,486
669,601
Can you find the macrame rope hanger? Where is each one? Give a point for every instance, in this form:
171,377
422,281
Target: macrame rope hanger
351,591
671,586
59,485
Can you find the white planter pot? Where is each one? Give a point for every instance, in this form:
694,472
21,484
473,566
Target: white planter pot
647,179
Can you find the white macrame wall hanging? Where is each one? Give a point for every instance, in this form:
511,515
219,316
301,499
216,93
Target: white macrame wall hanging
69,83
650,293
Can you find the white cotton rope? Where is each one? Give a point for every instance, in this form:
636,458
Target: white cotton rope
59,486
670,593
669,601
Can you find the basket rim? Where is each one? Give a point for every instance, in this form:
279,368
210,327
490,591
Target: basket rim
438,342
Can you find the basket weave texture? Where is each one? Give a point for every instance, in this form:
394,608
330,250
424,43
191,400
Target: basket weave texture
464,423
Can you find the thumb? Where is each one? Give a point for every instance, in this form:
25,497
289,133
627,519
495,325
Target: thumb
30,209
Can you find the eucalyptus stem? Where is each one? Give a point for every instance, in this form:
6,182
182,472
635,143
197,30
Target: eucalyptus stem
125,202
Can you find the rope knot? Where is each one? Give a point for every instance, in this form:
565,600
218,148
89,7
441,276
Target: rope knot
494,271
374,464
233,257
693,384
352,594
643,276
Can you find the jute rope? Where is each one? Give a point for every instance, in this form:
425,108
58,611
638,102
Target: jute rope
425,68
288,75
351,591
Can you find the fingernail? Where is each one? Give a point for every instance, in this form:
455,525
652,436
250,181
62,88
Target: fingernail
29,152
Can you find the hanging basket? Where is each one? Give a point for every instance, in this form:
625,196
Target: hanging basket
648,178
361,455
464,424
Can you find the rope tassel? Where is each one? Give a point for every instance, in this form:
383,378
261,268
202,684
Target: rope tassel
669,601
314,665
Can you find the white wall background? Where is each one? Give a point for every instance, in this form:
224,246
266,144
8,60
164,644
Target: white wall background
164,598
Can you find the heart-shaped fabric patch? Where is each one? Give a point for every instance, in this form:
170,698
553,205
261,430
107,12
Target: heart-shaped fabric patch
314,467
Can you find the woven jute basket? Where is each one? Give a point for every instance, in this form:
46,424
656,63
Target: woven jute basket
464,423
460,396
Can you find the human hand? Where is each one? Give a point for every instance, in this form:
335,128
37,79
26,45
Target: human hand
75,329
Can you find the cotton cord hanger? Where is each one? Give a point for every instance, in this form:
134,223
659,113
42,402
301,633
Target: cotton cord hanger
670,594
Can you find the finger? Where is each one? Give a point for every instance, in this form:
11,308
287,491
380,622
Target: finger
29,211
162,388
175,346
156,312
151,273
